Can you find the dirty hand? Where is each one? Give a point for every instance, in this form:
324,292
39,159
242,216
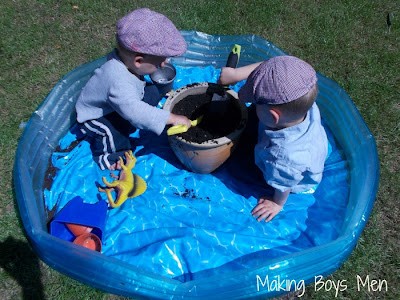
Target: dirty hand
266,209
178,120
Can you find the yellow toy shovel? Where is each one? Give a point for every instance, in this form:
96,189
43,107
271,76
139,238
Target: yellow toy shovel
183,128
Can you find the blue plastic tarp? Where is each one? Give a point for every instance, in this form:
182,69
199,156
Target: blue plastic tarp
186,223
319,251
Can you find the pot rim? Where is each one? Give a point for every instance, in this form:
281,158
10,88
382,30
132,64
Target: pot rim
213,142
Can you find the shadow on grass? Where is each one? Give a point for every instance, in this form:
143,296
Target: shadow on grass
21,263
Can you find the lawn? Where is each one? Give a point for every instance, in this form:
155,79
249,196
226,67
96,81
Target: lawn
348,41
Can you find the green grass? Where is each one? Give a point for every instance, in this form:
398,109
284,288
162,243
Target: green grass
345,40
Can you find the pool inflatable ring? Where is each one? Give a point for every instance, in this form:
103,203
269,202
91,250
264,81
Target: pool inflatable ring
56,115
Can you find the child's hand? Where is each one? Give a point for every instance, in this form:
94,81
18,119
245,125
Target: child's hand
231,76
266,209
228,76
178,120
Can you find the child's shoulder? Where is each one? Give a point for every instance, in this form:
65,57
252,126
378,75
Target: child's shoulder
113,65
112,70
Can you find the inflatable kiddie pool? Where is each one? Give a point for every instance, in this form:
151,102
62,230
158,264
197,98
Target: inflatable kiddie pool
256,274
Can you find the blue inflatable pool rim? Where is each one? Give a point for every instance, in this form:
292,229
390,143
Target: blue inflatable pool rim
54,118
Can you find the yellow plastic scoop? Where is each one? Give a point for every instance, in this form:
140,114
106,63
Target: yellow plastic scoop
183,128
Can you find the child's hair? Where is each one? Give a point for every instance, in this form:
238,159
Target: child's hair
125,53
298,108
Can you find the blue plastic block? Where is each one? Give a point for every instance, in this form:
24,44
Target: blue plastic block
78,212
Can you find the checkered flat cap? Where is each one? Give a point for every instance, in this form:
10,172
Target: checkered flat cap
278,80
146,31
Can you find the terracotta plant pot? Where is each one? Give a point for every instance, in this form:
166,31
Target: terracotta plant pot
207,156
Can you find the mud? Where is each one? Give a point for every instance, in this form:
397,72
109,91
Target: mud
219,117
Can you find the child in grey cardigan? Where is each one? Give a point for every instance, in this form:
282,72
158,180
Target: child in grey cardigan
116,99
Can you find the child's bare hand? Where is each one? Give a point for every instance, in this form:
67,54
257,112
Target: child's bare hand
228,76
266,209
178,120
231,76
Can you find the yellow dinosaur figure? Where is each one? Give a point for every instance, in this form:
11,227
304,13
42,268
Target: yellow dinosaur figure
127,185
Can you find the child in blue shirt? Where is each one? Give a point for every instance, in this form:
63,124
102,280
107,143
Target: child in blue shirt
292,144
116,99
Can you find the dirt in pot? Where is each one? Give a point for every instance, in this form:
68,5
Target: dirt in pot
213,125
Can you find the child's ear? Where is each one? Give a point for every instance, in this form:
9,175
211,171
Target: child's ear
276,114
138,60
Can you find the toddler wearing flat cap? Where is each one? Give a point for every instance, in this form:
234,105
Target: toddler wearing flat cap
116,99
292,144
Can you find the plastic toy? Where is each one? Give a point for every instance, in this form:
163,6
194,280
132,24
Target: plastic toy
164,78
127,185
183,128
78,229
89,240
81,223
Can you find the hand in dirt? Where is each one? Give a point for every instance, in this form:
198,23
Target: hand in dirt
178,120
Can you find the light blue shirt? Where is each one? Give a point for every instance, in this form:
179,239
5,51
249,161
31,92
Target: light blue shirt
293,158
113,88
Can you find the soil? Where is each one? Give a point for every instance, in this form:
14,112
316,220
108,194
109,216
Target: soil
191,194
220,118
49,178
